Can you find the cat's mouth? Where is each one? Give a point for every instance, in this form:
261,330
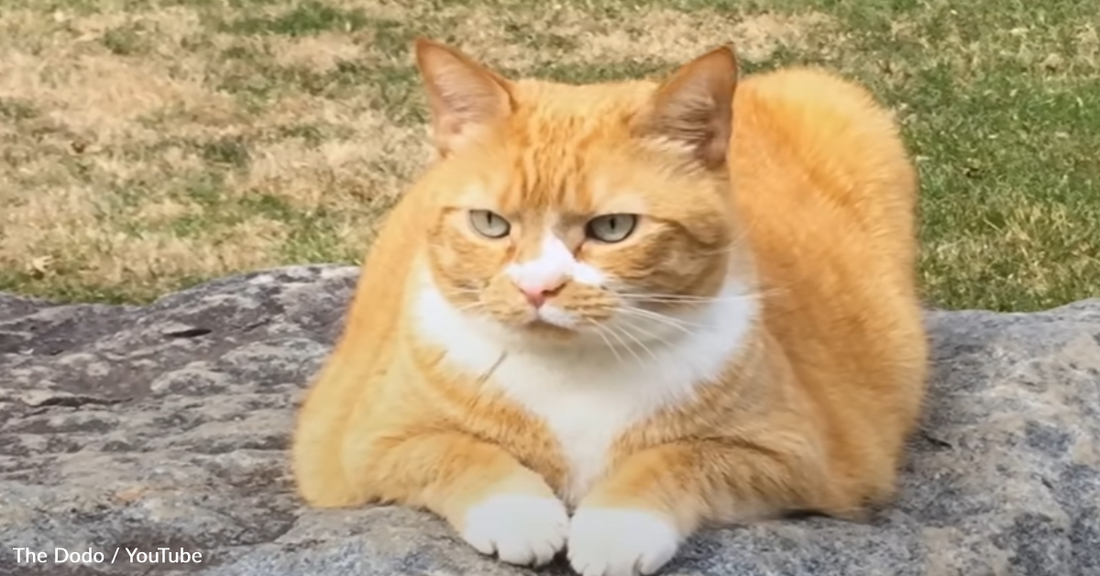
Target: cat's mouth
548,322
540,327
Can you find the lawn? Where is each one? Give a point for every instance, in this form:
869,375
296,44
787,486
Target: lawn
147,145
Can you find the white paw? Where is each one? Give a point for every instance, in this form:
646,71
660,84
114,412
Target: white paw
521,529
620,542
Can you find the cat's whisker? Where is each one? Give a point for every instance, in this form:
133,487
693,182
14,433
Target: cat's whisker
687,297
639,341
657,317
656,321
675,300
691,300
696,298
629,348
472,306
600,332
633,326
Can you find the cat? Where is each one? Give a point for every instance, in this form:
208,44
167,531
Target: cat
609,315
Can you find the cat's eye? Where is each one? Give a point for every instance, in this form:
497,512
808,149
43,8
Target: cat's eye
611,227
489,224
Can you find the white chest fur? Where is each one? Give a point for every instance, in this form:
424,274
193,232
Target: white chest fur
588,396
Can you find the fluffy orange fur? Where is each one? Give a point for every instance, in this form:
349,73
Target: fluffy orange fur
765,287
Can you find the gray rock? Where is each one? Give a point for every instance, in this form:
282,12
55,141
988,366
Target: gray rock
167,426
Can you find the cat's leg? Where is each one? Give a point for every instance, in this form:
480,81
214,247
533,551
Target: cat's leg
494,502
635,519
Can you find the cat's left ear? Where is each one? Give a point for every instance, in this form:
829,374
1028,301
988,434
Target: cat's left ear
693,107
466,99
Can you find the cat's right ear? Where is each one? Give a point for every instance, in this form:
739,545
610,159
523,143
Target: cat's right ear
464,97
693,108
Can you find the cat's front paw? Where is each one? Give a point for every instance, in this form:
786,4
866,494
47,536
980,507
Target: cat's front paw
520,529
620,541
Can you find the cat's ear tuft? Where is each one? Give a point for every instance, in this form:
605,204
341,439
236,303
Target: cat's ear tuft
693,107
464,97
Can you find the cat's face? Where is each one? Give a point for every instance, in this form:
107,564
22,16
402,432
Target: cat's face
567,215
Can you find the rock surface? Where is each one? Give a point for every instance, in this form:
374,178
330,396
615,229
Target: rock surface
167,426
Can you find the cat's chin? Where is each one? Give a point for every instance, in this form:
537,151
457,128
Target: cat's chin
536,330
547,337
542,336
542,329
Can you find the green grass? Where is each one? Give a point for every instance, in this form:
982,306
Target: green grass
148,146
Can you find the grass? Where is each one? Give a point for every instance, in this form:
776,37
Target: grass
147,146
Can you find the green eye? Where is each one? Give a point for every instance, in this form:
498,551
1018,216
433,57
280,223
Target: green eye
489,224
611,227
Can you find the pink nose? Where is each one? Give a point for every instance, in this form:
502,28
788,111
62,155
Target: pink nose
536,296
538,292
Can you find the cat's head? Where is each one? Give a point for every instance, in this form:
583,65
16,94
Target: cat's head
572,213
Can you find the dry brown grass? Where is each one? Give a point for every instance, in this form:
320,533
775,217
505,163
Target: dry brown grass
147,149
147,146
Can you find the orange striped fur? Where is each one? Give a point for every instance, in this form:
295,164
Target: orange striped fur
610,314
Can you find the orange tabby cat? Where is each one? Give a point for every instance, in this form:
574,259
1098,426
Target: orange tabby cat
610,314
